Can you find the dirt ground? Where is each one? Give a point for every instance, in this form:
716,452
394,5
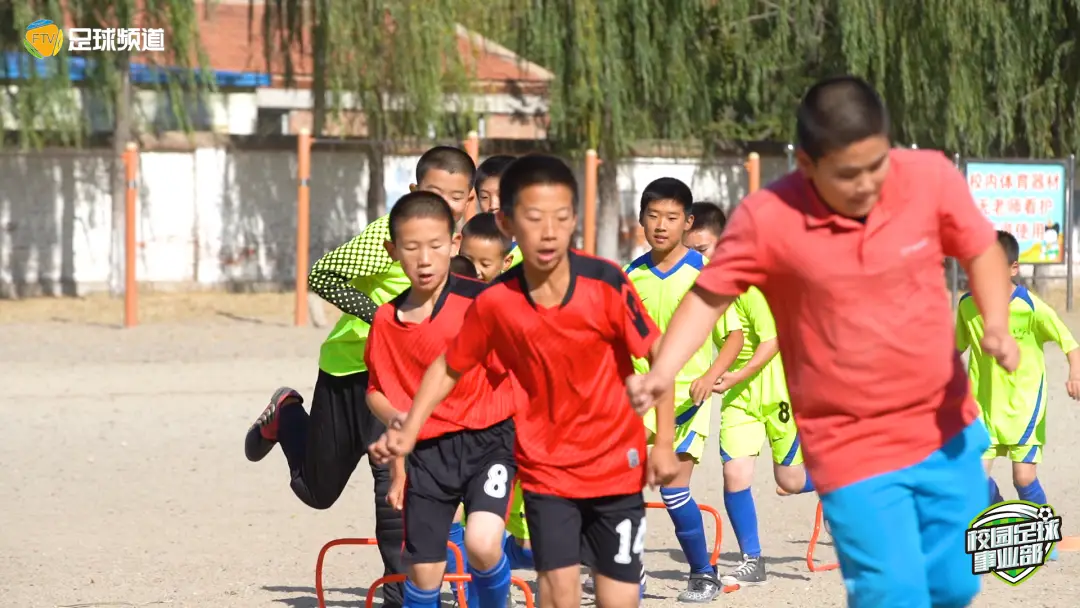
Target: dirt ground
124,483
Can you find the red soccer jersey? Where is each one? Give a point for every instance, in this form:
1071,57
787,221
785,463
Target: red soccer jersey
398,354
862,313
578,436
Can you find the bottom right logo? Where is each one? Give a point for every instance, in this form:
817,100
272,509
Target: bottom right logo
1012,539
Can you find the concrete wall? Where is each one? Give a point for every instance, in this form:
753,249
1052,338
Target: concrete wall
217,217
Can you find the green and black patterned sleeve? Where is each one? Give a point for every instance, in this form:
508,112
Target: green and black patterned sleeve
364,256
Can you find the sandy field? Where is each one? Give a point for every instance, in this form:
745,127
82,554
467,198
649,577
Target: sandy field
124,484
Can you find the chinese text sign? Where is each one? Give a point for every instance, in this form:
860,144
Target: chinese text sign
1026,200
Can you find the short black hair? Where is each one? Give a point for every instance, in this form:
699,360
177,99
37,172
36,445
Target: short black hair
837,112
708,216
493,166
534,170
419,204
463,266
484,226
1010,245
448,158
667,189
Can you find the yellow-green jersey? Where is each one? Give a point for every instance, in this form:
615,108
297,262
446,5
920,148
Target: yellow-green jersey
515,255
356,277
769,385
1013,405
660,294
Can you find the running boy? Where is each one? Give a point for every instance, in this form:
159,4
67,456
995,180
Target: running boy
324,448
849,251
755,408
465,449
483,242
1014,405
662,276
566,325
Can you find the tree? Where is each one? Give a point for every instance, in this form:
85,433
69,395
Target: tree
387,65
49,109
625,72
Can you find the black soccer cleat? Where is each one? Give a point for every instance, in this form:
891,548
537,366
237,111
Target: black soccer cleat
262,436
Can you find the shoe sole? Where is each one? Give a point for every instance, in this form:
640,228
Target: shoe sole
728,582
256,447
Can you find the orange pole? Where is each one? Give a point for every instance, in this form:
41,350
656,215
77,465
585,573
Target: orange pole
131,290
753,168
303,223
472,148
592,176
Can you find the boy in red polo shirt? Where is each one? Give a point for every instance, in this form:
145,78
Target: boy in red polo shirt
566,325
465,449
848,252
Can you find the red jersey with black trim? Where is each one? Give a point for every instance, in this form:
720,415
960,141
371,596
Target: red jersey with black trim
398,353
578,436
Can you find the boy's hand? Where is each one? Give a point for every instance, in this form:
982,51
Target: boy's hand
396,496
999,344
700,388
645,389
663,465
723,383
400,437
1072,385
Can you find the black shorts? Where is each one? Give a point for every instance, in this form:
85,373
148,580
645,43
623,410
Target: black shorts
607,533
476,467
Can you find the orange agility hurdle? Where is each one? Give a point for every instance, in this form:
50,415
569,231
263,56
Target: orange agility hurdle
449,578
369,542
818,518
715,556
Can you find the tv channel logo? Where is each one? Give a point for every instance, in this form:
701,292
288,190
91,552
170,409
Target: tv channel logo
43,39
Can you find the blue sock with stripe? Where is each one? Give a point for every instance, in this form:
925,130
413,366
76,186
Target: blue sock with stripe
1032,493
743,516
995,493
689,528
416,597
520,557
457,536
491,586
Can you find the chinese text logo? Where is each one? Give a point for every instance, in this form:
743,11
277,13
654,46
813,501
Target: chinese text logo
116,39
1012,539
43,39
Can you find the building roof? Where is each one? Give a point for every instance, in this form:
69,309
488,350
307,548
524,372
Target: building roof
231,32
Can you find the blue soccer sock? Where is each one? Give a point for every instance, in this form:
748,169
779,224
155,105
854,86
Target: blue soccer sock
1032,492
416,597
457,536
520,557
492,586
995,493
689,528
743,515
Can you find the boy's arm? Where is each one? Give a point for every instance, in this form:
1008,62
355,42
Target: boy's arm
1050,328
764,326
380,405
365,255
970,238
764,353
726,356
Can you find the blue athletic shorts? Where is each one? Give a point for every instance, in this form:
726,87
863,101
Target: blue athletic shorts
900,535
